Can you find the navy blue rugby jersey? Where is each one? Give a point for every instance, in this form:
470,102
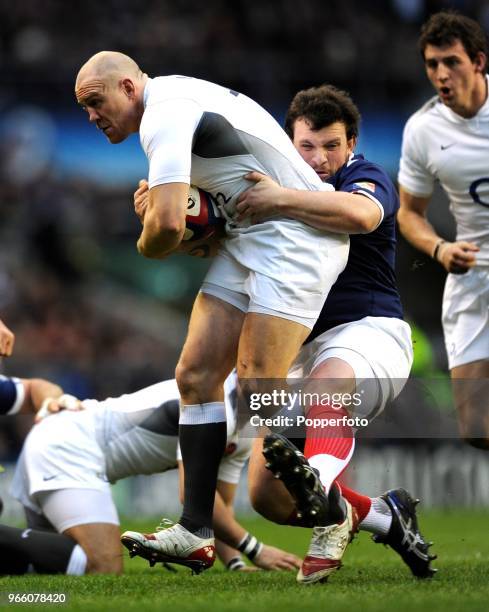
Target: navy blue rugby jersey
8,394
367,286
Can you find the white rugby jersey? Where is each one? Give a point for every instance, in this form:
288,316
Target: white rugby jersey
134,434
194,131
440,145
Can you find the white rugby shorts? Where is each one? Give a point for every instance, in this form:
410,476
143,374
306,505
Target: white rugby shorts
66,508
283,268
61,452
378,349
465,316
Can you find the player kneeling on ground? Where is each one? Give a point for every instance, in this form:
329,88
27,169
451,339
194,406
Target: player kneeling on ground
63,474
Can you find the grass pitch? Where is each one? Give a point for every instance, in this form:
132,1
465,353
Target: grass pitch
373,578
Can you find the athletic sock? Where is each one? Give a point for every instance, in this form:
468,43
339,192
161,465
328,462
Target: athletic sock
329,449
202,435
379,518
77,564
46,552
360,502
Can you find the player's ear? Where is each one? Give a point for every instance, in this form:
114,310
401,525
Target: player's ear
351,143
480,62
128,88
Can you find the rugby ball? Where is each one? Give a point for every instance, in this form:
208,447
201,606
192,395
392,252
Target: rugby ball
203,219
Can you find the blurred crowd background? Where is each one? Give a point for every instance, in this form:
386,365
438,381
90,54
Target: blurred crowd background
87,311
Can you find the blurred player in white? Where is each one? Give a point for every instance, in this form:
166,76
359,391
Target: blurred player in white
265,288
68,460
447,140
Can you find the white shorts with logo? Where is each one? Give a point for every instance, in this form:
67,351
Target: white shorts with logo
284,268
465,316
378,349
63,452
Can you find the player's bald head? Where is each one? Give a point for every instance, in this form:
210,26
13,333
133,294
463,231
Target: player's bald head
110,87
109,66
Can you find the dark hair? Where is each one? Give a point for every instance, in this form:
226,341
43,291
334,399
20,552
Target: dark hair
444,28
322,106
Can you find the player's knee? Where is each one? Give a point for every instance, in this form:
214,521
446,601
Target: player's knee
251,367
192,380
104,563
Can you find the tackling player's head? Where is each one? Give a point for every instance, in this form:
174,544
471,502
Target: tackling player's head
454,51
110,87
323,125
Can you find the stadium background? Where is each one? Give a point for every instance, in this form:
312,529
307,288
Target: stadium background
91,314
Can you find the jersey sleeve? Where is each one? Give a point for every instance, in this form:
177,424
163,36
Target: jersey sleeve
12,395
166,133
369,180
413,173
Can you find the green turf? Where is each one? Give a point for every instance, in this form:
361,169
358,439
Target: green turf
373,578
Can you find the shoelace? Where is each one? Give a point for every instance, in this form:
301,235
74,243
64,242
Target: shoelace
176,538
165,523
327,538
411,538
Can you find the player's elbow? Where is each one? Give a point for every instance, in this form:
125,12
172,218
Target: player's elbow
403,220
365,222
412,211
161,240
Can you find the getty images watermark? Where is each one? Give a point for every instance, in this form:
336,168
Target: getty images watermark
281,400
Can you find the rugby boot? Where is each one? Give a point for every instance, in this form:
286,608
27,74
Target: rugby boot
328,544
302,481
173,544
404,535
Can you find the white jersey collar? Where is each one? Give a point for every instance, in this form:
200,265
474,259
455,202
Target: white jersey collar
147,87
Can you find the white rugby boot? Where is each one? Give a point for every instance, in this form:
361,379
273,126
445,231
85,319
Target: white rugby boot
327,547
173,544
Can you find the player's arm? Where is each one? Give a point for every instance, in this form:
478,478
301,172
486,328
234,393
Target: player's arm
25,395
227,529
332,211
230,531
37,391
167,132
455,257
164,220
7,340
207,247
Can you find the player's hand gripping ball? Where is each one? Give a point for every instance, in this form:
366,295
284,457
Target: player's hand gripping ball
203,220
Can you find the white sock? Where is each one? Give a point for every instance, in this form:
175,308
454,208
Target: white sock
378,519
202,414
77,563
